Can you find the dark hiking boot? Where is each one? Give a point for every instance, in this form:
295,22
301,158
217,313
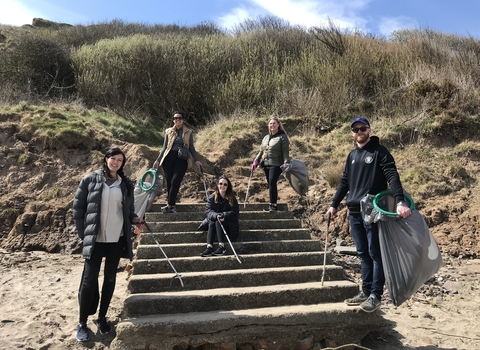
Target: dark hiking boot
271,208
357,299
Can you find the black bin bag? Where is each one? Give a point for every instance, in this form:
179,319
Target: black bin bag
410,254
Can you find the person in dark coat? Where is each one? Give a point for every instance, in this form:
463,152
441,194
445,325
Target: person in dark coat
103,211
222,209
274,152
368,170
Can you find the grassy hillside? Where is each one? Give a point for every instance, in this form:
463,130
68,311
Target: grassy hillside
69,92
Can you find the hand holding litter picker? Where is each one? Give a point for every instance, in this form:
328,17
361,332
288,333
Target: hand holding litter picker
239,258
166,257
326,244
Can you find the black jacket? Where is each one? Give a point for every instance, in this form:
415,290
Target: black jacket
368,170
230,213
86,212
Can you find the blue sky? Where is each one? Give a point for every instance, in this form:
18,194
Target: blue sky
379,17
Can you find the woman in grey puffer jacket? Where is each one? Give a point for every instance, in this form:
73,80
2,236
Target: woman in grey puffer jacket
103,210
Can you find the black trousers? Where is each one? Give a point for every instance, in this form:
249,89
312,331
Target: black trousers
174,169
215,230
89,283
273,174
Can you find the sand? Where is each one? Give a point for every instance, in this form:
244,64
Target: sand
39,308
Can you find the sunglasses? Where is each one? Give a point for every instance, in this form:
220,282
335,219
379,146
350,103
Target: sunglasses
178,118
362,129
222,184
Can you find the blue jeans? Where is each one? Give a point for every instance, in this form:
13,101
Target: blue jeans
368,249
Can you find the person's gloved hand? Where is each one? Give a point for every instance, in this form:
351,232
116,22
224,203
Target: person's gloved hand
254,164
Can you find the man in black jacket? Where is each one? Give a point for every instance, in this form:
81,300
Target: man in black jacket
368,170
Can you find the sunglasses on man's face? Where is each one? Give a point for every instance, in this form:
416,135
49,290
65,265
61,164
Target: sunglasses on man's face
362,129
178,118
222,184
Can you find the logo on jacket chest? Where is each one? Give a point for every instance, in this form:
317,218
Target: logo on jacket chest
368,160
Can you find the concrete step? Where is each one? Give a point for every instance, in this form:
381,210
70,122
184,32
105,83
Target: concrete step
182,226
198,263
238,298
200,207
266,327
232,278
200,215
150,251
245,236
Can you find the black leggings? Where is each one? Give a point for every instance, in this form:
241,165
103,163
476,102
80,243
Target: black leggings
214,229
89,285
174,169
273,174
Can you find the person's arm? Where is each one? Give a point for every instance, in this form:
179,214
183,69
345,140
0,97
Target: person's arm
232,214
285,149
211,209
80,207
192,149
162,151
257,159
393,178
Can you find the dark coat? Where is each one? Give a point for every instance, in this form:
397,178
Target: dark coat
230,213
86,212
368,170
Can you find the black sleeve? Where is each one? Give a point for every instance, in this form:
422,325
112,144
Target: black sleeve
390,172
342,188
192,149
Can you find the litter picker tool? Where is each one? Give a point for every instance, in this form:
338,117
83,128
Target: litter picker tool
204,182
166,257
326,244
248,187
239,258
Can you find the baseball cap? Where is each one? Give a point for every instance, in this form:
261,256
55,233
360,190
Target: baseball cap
361,120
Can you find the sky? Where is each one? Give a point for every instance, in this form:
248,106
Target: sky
379,17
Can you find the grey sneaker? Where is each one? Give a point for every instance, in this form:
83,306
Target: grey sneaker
82,332
371,304
357,299
103,326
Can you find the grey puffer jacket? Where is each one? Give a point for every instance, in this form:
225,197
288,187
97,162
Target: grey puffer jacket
86,212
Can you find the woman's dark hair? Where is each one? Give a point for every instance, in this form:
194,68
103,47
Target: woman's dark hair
113,152
229,195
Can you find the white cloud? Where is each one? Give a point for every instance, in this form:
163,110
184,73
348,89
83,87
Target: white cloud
306,13
16,14
388,25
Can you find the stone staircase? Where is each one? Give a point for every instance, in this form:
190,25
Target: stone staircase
273,299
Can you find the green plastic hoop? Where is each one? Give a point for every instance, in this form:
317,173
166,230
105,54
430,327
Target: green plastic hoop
152,172
390,192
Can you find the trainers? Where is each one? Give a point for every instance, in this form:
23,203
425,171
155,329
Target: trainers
207,252
371,304
168,209
271,208
220,251
82,332
357,299
103,326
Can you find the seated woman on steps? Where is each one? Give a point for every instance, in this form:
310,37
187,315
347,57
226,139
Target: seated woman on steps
222,209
